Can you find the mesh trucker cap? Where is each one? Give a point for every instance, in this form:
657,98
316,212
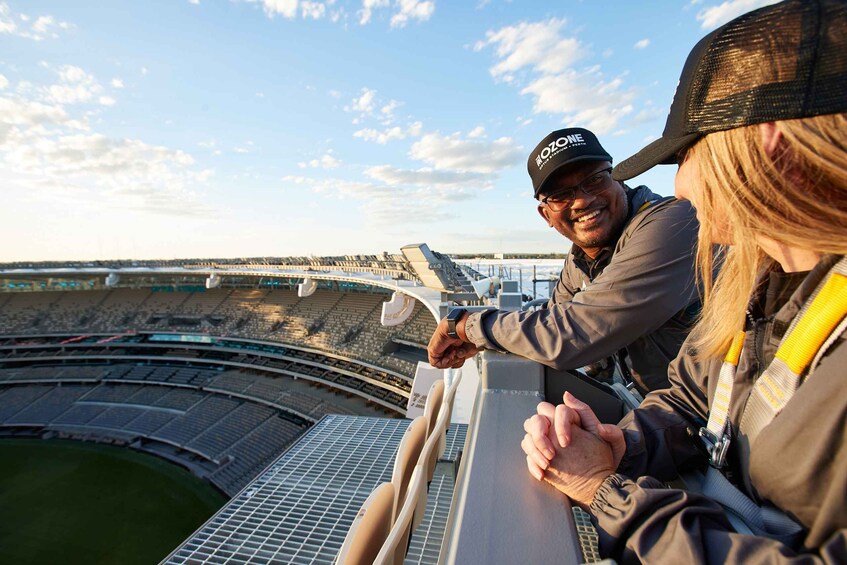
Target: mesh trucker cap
560,148
780,62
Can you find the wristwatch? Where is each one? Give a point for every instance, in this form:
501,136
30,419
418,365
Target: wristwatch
453,317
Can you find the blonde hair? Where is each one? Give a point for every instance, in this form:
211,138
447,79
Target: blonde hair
797,197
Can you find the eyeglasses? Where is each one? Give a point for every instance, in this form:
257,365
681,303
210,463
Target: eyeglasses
593,185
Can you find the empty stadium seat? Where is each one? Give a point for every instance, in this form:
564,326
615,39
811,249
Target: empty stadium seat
435,443
433,403
394,549
370,528
408,455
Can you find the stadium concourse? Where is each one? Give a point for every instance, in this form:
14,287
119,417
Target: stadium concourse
231,368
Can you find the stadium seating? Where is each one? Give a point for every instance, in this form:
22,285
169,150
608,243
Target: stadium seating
341,323
237,437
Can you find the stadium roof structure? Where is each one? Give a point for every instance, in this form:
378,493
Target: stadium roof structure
419,272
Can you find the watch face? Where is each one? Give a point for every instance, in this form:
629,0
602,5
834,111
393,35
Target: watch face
452,317
455,314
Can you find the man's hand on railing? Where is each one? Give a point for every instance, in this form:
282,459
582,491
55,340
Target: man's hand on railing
567,446
447,352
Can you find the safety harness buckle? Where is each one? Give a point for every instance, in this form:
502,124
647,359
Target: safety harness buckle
716,447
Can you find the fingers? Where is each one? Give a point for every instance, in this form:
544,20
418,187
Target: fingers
588,419
564,419
443,355
545,409
534,470
536,464
613,435
536,428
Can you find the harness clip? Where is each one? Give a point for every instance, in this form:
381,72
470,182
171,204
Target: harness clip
716,447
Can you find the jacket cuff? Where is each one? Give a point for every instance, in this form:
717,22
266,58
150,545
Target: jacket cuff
615,507
474,331
610,493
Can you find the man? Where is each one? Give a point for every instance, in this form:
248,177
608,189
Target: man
627,287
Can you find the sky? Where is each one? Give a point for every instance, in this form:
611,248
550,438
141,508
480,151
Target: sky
246,128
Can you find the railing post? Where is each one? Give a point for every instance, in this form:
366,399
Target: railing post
500,514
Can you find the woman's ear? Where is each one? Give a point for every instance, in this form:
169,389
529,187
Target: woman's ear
771,137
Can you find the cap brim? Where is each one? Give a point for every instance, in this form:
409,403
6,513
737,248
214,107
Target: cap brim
565,164
661,152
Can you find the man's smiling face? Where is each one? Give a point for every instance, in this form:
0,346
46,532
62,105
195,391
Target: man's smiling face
591,222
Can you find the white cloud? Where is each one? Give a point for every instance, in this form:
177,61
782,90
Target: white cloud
53,153
20,112
284,8
402,11
4,82
477,132
364,103
412,10
368,106
426,177
546,59
122,173
406,11
106,101
642,44
70,73
43,27
368,7
195,2
454,153
716,16
387,204
326,161
536,45
289,9
389,134
314,10
389,108
76,86
584,98
7,23
117,83
43,23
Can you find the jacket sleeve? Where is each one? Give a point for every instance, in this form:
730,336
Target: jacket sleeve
649,279
640,521
662,434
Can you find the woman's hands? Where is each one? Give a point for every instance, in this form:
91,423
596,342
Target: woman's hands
567,446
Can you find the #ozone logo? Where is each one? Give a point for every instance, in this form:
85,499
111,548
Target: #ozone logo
554,147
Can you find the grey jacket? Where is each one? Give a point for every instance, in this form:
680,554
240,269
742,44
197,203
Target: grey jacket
639,295
798,463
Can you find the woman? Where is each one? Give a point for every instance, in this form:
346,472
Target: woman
758,129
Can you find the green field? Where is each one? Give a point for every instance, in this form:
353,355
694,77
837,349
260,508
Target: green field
74,502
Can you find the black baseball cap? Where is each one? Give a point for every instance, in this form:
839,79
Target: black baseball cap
560,148
780,62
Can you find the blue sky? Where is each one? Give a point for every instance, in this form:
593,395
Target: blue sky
240,128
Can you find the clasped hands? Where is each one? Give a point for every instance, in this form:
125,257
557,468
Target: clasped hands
567,446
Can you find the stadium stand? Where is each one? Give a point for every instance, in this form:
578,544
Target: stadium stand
229,435
340,323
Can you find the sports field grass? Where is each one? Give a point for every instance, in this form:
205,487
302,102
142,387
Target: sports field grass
75,502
